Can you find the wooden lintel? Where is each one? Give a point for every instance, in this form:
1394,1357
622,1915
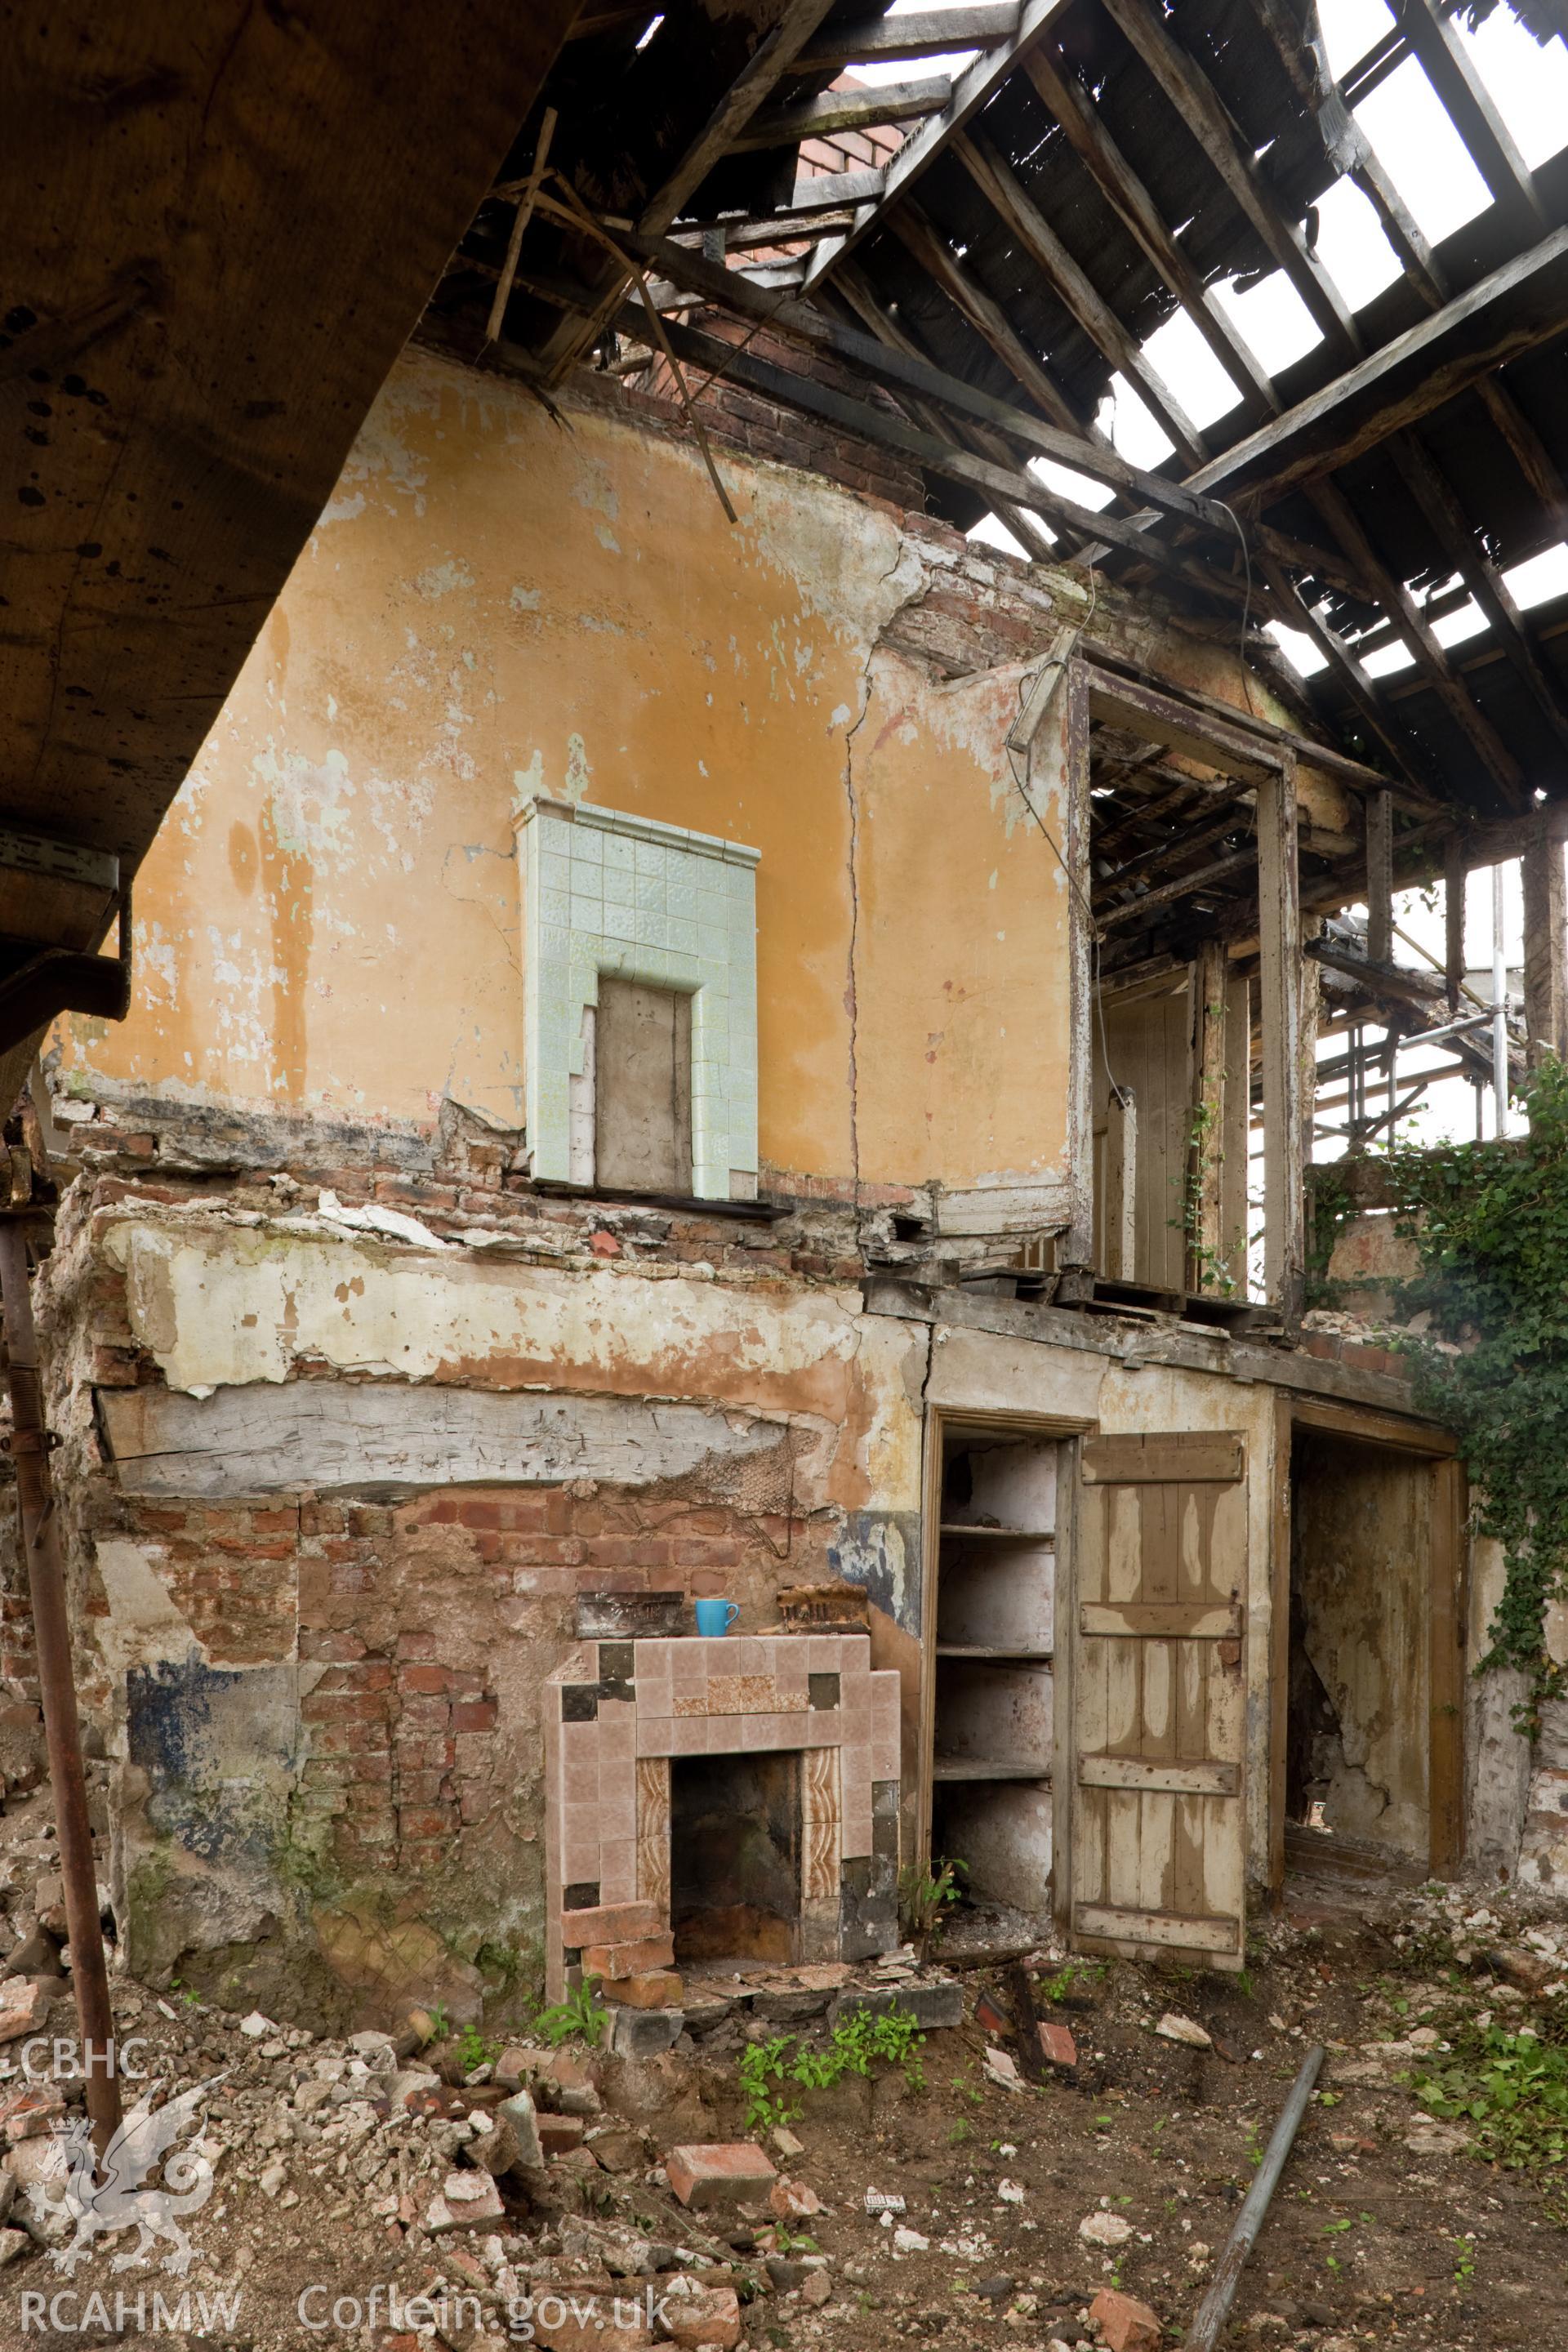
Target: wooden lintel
1196,734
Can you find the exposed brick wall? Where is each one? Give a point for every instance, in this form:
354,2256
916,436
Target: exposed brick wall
405,1748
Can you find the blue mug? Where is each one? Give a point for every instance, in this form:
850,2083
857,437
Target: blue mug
716,1616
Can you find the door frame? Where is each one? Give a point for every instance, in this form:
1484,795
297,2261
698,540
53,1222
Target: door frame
1064,1429
1448,1598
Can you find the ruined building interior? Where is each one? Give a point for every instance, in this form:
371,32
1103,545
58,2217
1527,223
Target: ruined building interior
665,936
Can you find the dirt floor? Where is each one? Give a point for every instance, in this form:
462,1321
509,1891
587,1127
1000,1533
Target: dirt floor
1387,2227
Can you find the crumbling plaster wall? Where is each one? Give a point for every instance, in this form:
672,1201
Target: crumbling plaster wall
494,604
316,1655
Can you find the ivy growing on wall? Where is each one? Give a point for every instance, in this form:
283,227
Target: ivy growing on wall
1490,1222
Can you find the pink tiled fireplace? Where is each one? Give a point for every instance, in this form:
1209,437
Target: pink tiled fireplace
776,1759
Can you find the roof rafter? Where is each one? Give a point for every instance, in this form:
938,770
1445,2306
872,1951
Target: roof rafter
1069,103
1513,310
1075,288
1470,106
972,90
796,21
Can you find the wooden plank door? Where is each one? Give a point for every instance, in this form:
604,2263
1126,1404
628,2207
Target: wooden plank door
1158,1851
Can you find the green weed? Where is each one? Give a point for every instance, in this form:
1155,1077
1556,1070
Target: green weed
857,2043
582,2012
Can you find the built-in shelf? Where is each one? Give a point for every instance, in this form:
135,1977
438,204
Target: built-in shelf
991,1715
998,1535
975,1649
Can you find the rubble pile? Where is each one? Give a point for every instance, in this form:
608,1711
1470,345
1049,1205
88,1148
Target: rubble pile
1059,2182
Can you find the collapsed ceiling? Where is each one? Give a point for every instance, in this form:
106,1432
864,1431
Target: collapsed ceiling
984,248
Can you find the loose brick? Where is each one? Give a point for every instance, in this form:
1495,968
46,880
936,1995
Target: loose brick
559,2134
1125,2323
660,1989
1058,2044
720,2172
611,1923
617,1961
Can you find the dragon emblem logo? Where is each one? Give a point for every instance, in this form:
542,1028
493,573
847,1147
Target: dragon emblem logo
101,2204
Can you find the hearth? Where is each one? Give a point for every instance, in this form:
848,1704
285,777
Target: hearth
774,1760
734,1857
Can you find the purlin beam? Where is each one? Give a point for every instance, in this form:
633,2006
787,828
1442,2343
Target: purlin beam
932,32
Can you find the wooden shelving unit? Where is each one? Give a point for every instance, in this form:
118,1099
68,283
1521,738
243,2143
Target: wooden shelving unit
992,1663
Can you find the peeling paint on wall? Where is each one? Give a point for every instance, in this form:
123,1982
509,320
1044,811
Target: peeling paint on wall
337,904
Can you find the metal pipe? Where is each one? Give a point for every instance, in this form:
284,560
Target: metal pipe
1500,1007
40,1527
1215,2309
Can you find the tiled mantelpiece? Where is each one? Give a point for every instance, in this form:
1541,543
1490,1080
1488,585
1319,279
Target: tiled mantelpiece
615,1713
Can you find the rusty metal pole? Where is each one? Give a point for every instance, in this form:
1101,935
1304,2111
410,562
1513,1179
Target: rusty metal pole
1208,2326
40,1529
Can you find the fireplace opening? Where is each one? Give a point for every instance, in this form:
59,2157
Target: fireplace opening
734,1851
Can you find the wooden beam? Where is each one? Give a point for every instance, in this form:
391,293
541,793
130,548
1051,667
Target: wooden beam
1513,310
1310,984
772,57
1545,952
1470,106
1075,290
1207,1253
1453,921
1161,718
877,425
924,33
1185,843
1119,1241
1379,878
843,110
919,151
1435,497
1195,100
1304,55
1056,85
1186,885
904,369
852,287
1278,739
1280,943
1072,705
793,23
1414,629
1189,90
985,315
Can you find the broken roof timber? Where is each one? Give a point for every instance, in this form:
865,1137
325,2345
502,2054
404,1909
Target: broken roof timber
1513,310
971,92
